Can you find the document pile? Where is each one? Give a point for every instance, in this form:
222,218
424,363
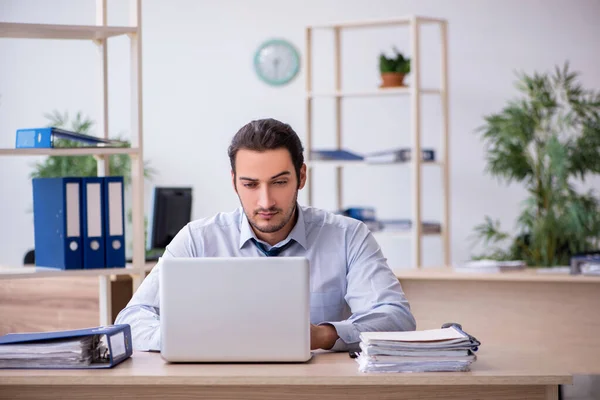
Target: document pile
101,347
434,350
491,266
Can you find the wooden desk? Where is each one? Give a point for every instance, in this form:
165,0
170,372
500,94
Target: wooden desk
497,374
555,315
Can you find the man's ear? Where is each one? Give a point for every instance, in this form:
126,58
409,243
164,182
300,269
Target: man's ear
302,181
233,180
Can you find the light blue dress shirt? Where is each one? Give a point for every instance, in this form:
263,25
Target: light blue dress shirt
351,285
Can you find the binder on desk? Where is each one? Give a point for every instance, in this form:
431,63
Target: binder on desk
57,222
114,222
101,347
93,222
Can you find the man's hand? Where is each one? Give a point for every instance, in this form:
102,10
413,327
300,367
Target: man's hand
322,337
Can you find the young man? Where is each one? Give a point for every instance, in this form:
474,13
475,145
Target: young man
352,288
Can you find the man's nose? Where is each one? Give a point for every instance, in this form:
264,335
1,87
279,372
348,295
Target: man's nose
265,199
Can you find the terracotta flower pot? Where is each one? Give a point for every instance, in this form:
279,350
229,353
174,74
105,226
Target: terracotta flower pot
392,79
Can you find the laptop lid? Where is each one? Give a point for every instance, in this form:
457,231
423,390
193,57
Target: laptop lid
235,309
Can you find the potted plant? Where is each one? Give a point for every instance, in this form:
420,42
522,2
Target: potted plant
547,140
393,70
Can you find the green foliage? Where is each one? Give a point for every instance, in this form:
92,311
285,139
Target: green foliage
547,140
396,64
56,166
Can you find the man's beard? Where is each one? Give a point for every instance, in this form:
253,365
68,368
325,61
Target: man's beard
272,228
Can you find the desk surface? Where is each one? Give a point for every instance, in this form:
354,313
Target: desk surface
528,275
494,367
25,272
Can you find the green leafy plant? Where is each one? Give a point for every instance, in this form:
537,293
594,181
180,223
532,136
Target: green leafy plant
397,64
547,140
56,166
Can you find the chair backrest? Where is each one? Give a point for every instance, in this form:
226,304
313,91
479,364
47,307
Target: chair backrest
29,258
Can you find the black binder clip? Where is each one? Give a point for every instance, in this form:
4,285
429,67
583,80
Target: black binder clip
476,343
454,324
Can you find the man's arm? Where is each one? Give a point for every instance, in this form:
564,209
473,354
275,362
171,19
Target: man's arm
143,310
373,293
143,315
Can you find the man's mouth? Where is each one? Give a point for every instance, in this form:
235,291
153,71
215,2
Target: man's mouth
267,215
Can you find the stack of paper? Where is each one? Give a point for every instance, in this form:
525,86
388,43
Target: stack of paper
398,155
434,350
491,266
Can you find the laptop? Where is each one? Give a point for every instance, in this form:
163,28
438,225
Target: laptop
235,309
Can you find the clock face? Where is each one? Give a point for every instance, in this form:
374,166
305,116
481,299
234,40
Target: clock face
276,62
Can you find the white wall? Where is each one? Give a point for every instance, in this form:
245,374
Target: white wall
199,88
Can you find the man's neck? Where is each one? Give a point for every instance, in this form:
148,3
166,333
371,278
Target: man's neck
276,237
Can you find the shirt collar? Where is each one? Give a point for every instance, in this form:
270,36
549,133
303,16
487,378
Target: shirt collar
298,232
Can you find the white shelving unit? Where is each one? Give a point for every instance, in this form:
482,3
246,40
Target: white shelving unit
98,34
415,92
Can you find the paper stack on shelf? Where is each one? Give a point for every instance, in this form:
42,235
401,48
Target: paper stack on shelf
491,266
406,225
398,155
433,350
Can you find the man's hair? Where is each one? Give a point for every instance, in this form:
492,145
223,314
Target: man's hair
267,134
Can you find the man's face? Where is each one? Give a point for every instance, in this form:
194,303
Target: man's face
267,186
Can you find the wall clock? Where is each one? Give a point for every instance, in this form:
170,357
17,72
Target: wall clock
276,62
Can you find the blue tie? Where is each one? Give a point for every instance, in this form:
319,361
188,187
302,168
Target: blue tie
274,252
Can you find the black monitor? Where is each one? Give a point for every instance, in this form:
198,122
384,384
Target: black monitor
172,211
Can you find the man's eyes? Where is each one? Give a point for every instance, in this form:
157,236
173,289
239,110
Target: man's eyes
252,185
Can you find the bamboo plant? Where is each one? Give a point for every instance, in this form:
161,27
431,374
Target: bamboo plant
549,141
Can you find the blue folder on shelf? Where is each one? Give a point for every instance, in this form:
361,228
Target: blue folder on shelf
101,347
57,222
114,222
334,155
93,221
46,138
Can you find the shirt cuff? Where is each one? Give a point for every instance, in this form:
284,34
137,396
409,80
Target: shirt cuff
349,336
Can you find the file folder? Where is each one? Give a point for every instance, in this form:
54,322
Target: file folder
334,155
57,222
114,221
101,347
46,138
93,222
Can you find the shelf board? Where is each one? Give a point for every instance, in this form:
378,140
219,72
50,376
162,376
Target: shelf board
530,274
77,151
312,164
371,93
25,272
73,32
404,20
403,233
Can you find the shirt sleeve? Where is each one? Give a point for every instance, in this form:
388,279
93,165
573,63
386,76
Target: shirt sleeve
374,294
142,312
